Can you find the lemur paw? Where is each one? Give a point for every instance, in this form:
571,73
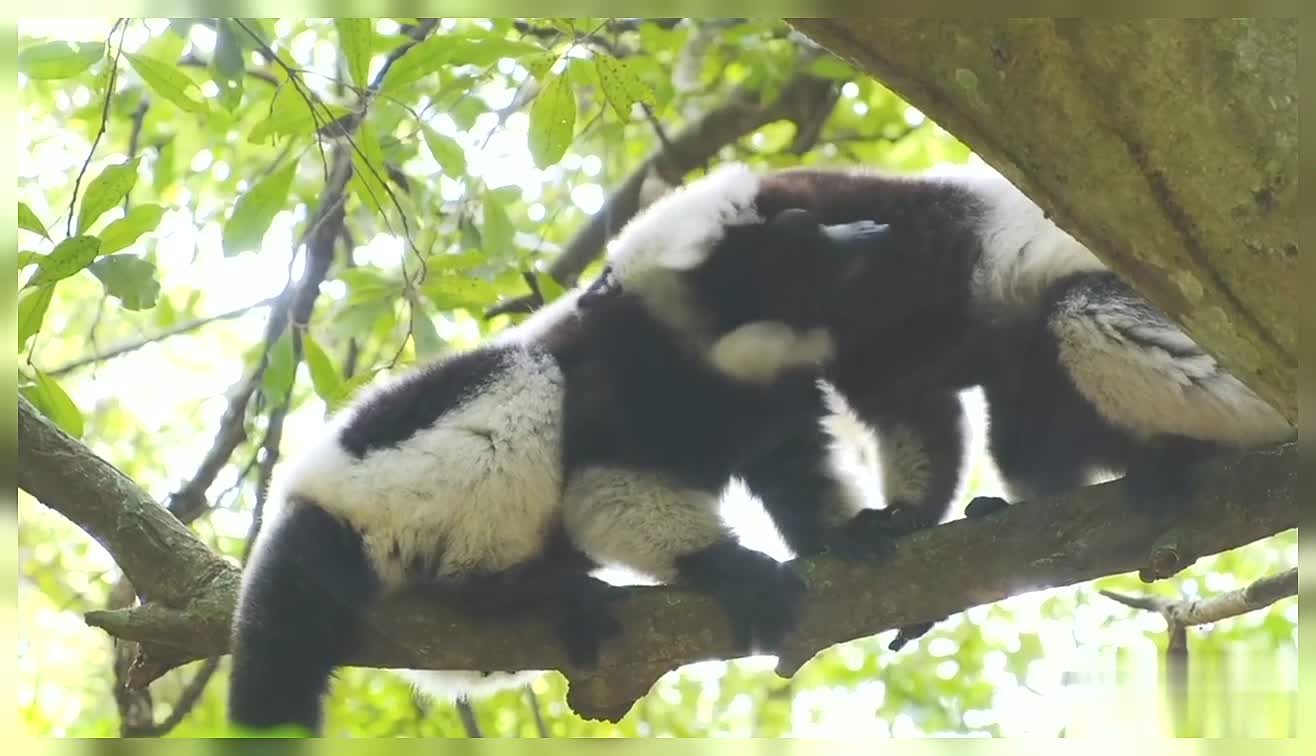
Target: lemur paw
587,623
763,615
871,534
982,506
1158,482
908,633
760,595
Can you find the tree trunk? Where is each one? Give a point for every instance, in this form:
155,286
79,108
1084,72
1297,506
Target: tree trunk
1168,146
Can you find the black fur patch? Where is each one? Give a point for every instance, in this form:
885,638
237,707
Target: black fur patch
421,398
791,480
1042,433
638,397
296,618
760,595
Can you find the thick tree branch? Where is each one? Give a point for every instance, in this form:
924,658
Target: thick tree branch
1169,146
1059,541
800,100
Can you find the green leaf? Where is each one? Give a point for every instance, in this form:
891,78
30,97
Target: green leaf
254,210
46,395
424,336
496,231
831,67
130,227
326,380
32,304
550,288
128,278
470,235
454,292
447,153
28,257
68,257
227,66
165,170
291,115
348,389
167,46
540,64
419,61
621,87
281,370
28,221
428,56
489,50
59,60
368,176
105,191
167,81
552,122
355,39
450,262
366,283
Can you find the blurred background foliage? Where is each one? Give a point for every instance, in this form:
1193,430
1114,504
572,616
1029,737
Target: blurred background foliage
483,151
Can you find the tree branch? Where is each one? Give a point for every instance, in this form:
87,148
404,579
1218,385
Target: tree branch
295,303
133,346
800,100
1058,541
1190,613
1182,614
1182,176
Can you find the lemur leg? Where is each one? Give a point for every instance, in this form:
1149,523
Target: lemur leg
1157,480
1113,384
800,487
647,522
921,449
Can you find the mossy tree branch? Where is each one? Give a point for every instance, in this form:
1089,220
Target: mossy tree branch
190,591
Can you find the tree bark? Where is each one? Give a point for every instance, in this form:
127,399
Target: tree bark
1168,146
1059,541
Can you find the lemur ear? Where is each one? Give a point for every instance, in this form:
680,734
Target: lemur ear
603,287
794,220
858,236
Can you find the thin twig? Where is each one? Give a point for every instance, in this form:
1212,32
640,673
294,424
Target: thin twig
135,136
122,26
469,721
192,61
269,450
188,699
533,701
133,346
293,305
1181,614
1193,612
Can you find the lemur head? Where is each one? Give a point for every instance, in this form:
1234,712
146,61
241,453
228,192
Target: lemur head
711,261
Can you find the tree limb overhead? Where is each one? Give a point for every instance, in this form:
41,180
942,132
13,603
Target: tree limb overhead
1168,146
934,573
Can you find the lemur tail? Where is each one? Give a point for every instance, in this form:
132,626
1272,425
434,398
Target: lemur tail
297,615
